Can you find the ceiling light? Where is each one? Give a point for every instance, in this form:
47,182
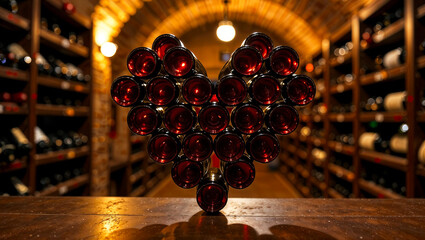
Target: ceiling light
108,49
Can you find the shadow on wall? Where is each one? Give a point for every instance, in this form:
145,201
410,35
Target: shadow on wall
207,226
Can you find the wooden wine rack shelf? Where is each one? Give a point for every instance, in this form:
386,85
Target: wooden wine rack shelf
14,20
25,29
62,155
63,84
15,74
65,187
63,44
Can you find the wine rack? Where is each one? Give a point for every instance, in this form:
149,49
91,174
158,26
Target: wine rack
368,77
132,172
70,114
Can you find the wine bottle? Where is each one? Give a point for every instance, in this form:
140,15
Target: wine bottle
263,146
7,151
73,71
143,62
5,97
42,64
239,174
22,144
44,23
179,119
229,145
180,62
395,101
56,28
261,42
399,141
162,91
231,90
165,42
283,61
42,141
187,173
10,5
281,119
247,118
367,39
344,79
374,104
163,147
66,139
44,183
127,92
19,186
56,66
212,192
394,58
197,90
143,119
299,90
197,146
76,139
213,118
245,61
56,142
7,58
373,141
265,89
22,58
378,26
84,139
72,37
80,40
57,178
19,97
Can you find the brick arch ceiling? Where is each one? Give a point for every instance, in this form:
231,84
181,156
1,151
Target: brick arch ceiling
265,14
300,23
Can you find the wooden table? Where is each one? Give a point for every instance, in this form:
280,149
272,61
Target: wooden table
177,218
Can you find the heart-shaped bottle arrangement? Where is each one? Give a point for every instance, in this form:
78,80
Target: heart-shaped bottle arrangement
191,118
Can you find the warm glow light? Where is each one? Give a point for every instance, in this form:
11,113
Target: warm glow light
225,31
108,49
309,67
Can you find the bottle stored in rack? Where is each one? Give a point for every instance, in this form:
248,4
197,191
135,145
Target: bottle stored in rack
212,192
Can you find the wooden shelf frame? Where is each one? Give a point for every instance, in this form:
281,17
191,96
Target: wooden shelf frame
14,20
62,155
65,187
32,35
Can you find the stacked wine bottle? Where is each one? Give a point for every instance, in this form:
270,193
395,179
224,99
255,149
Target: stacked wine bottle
191,119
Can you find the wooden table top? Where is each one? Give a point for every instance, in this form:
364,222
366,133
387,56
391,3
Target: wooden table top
181,218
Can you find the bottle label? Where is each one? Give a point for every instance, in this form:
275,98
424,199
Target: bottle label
19,186
398,143
392,58
40,135
19,135
394,101
17,50
367,140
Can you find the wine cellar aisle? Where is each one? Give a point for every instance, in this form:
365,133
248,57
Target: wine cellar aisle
364,135
268,184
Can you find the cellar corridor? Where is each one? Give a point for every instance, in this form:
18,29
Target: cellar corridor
267,184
